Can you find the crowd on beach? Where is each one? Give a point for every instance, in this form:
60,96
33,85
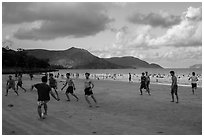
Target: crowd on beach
44,90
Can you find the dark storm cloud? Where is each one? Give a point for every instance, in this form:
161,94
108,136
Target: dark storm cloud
155,20
56,19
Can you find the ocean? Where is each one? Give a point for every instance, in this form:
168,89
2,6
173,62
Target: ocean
157,76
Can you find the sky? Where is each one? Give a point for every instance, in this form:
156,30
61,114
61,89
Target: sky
169,34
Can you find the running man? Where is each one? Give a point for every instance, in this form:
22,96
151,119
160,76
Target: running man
71,87
10,84
174,86
194,80
88,86
20,83
53,84
142,83
44,92
147,83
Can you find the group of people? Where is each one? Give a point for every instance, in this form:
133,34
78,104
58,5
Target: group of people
44,90
11,84
145,81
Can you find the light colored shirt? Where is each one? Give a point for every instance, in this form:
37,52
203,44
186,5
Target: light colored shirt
194,79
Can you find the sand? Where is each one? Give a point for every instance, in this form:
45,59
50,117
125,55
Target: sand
122,111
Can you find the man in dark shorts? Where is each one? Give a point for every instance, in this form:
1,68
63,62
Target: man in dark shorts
71,87
174,86
20,83
53,84
44,92
88,86
142,83
194,80
10,84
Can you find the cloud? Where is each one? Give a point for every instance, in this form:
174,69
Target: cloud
56,19
180,42
187,33
155,19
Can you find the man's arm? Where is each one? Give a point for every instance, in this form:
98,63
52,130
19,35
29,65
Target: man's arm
92,84
64,86
32,87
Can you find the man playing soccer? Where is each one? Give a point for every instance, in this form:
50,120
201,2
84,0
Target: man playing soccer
53,84
88,86
44,92
10,84
194,80
142,83
71,87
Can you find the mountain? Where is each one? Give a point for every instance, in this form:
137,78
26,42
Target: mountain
83,59
73,58
196,66
132,62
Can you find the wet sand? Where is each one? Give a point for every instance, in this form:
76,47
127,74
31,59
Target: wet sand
122,111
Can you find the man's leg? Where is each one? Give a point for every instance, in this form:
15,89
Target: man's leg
75,96
56,93
87,100
23,88
67,94
140,91
177,97
15,91
39,110
172,95
45,108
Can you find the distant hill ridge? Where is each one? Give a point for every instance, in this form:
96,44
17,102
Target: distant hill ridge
196,66
82,59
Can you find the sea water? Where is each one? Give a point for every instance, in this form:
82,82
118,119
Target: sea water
157,76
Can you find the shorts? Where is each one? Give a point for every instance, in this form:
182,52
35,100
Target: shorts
70,89
174,90
88,91
40,103
143,85
194,85
20,84
8,87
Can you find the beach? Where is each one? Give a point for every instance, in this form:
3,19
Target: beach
122,111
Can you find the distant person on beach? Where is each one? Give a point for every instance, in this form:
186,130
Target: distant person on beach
174,86
88,86
10,84
53,84
194,80
142,83
44,92
130,78
31,76
147,83
71,87
20,83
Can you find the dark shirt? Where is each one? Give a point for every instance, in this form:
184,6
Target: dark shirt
143,79
43,91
